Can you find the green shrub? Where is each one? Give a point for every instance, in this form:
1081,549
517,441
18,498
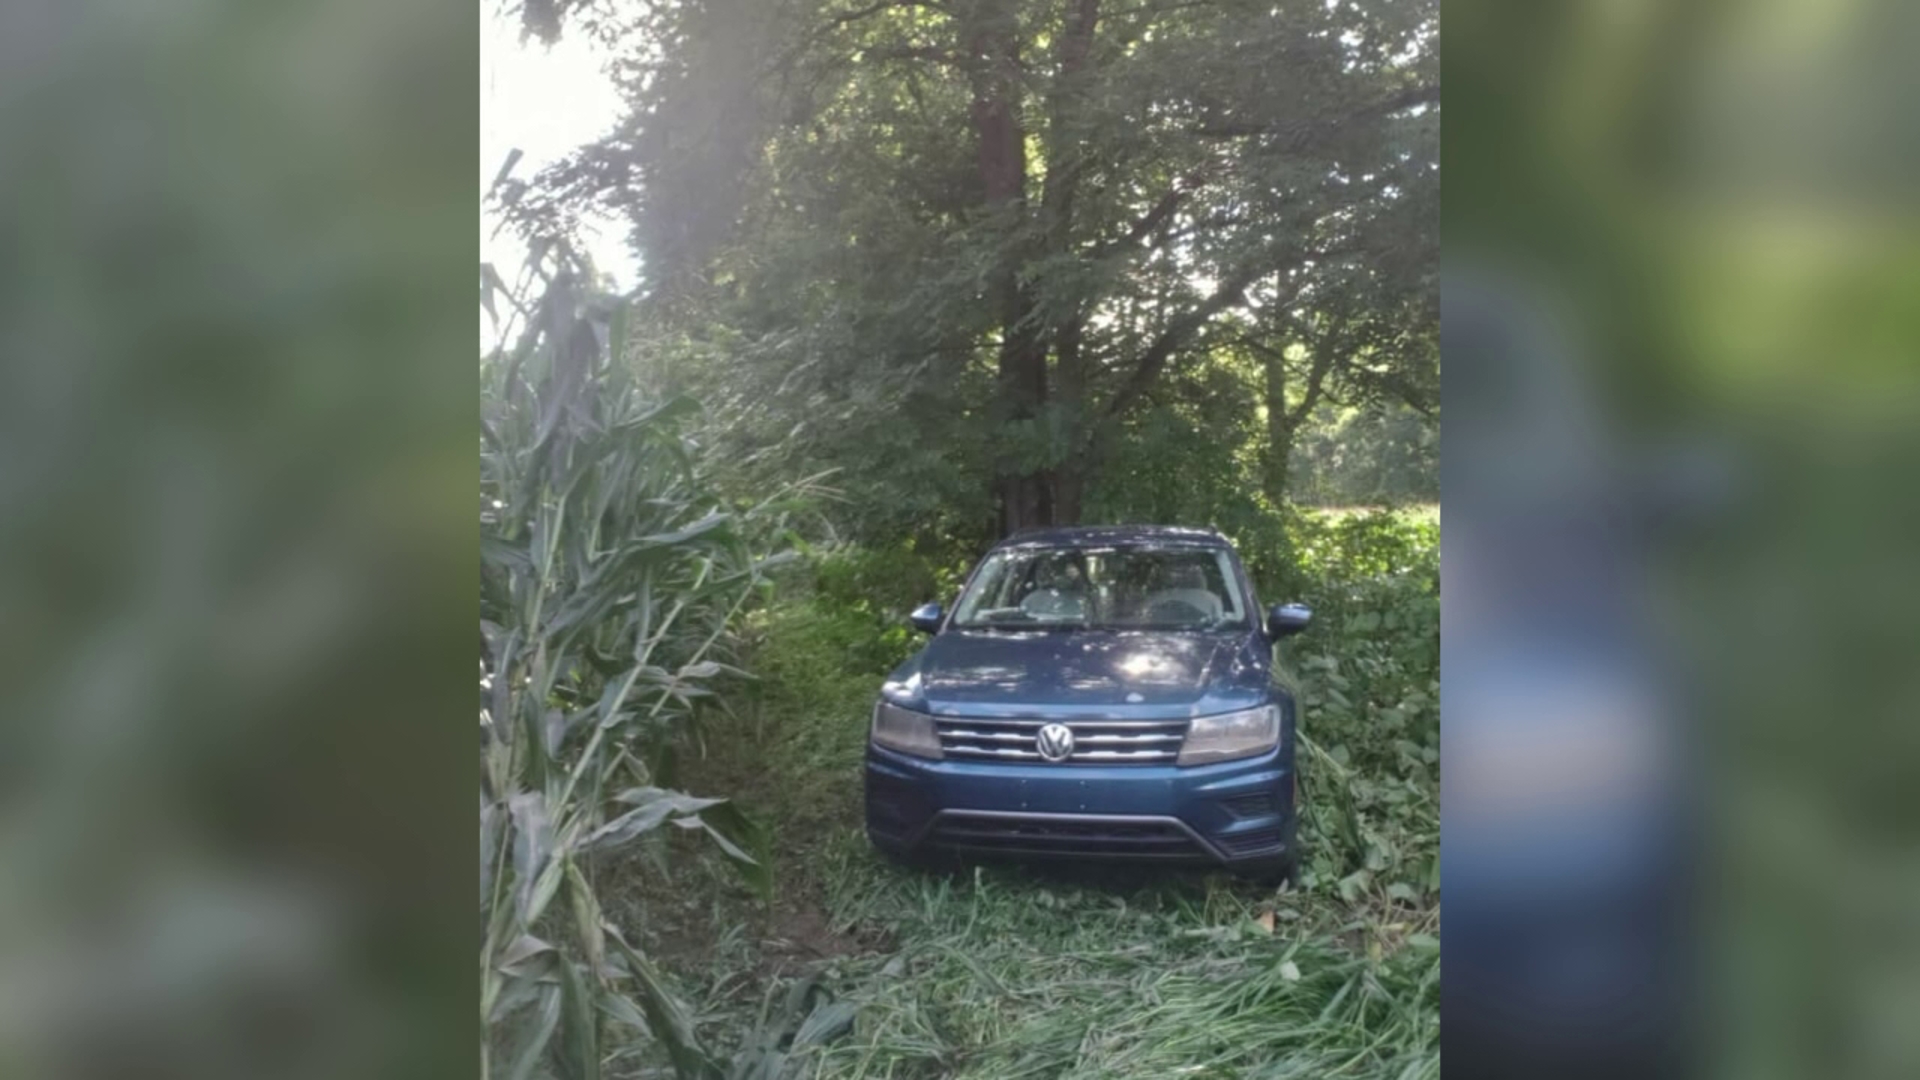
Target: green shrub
869,593
1369,672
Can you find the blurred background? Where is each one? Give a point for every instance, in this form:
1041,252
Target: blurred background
235,419
1680,697
236,537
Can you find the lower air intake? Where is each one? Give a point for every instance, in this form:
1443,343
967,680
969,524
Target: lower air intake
1090,835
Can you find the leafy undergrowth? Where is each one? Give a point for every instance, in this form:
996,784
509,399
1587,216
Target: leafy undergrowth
1008,972
861,969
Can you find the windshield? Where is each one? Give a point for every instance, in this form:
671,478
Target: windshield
1121,587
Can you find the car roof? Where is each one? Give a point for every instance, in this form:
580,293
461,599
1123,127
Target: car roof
1096,535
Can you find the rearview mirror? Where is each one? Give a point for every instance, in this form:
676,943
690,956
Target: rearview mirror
1288,619
926,618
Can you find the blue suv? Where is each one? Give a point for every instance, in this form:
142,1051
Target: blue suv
1099,692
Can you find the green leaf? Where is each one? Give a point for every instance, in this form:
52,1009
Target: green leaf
579,1047
680,536
491,825
514,959
1355,885
669,410
532,849
546,1019
666,1014
745,842
827,1022
586,920
652,806
620,1007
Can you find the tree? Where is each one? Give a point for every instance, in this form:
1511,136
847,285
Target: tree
1359,339
996,231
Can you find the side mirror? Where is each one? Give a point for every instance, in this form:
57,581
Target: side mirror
1288,619
926,618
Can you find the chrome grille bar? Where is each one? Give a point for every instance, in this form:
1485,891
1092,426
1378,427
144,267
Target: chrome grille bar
990,751
1096,742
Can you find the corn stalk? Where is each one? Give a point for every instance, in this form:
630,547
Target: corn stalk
610,577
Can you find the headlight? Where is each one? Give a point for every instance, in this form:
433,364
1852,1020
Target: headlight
1226,736
905,730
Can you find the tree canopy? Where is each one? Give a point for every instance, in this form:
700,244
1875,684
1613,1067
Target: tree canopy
978,255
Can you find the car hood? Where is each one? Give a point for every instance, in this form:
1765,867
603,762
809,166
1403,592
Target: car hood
1083,672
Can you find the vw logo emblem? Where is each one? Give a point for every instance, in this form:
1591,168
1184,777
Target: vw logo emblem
1055,742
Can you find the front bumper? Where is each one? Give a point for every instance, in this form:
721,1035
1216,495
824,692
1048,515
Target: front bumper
1233,813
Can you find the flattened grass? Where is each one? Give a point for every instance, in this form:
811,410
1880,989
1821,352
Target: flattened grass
1008,971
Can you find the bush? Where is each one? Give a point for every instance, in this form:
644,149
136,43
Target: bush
1369,673
867,594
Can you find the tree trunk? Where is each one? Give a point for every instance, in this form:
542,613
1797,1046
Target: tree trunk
1070,476
1284,424
1280,431
1069,486
1065,163
1026,502
993,49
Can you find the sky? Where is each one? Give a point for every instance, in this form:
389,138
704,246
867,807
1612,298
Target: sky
544,102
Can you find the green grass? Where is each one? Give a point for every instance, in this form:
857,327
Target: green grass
1003,971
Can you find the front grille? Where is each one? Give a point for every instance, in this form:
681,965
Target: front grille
1034,834
1095,742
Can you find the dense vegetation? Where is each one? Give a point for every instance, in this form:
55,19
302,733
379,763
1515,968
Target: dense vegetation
1001,262
917,274
620,597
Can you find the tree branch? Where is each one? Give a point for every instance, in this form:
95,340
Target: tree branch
1412,401
1178,332
913,52
1163,208
1316,380
1323,353
1157,214
876,8
785,62
1301,135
